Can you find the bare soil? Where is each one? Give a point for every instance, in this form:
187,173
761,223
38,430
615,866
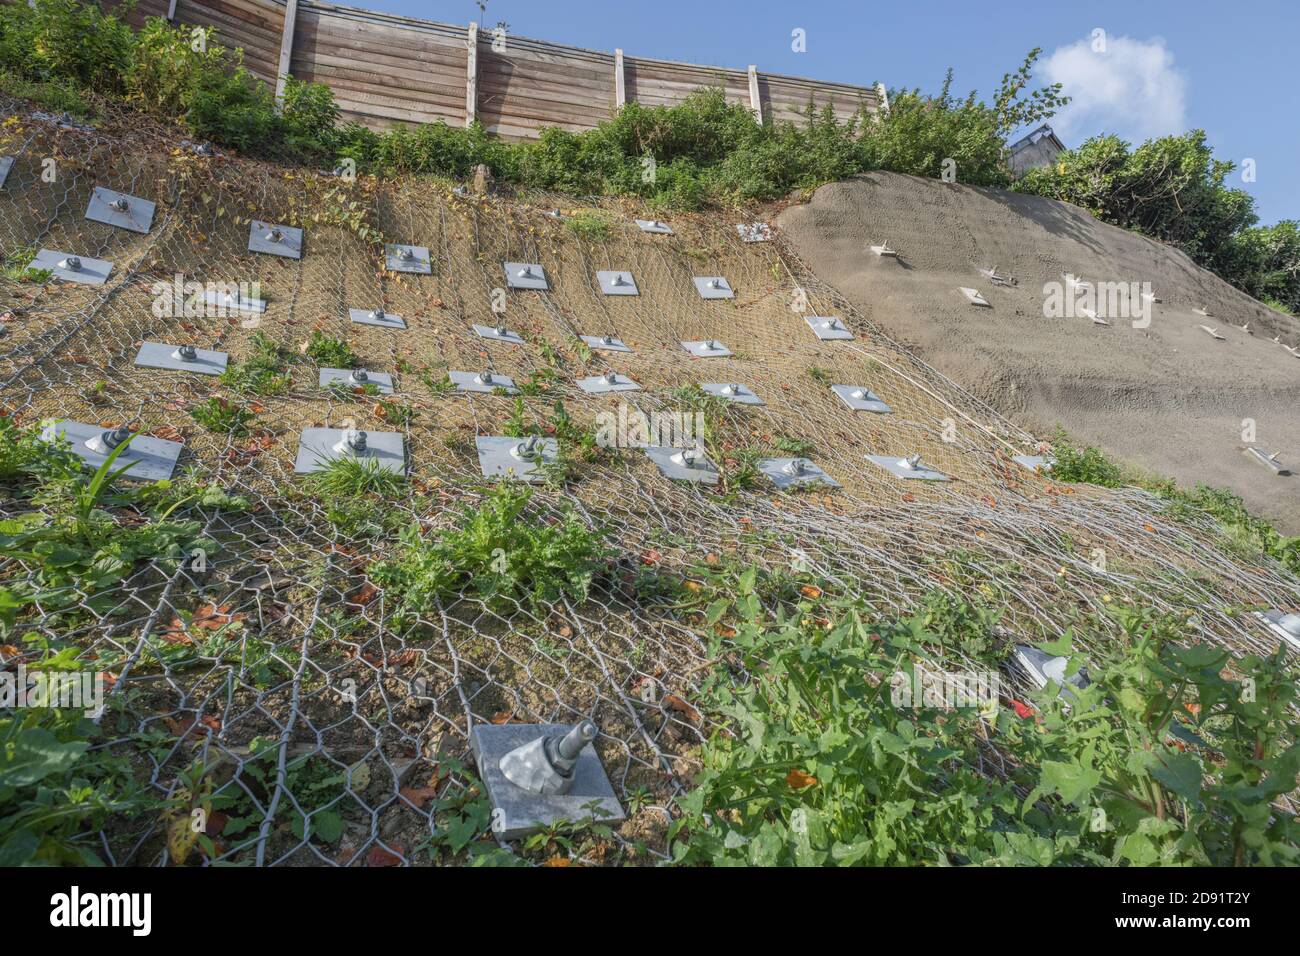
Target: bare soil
1169,399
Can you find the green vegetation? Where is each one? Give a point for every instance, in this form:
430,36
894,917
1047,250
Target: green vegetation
828,767
496,552
591,225
1173,189
703,151
1244,534
85,536
330,352
353,477
219,414
1087,465
17,266
56,791
266,370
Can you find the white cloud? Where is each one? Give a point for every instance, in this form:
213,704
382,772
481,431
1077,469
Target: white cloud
1132,89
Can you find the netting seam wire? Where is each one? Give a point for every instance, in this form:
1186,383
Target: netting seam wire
295,697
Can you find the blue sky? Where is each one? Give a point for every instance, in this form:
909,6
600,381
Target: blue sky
1168,66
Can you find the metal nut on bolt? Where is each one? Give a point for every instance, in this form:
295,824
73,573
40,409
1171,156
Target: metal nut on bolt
72,263
107,440
377,314
354,442
796,466
359,375
186,353
120,204
545,765
275,235
483,378
530,449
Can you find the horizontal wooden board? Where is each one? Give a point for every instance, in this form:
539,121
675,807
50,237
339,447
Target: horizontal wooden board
387,69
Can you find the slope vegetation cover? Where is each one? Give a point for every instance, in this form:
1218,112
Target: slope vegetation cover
310,683
297,661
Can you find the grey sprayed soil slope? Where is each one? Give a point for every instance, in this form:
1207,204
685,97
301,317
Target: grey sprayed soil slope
1169,399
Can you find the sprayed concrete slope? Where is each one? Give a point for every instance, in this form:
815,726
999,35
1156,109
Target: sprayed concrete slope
1169,399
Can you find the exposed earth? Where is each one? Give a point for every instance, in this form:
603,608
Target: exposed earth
1169,399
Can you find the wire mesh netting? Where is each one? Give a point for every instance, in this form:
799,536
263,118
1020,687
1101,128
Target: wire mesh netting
279,652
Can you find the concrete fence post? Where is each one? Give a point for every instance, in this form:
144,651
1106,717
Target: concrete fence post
471,75
620,88
286,50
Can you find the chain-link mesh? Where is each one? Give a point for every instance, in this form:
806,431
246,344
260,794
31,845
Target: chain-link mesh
298,648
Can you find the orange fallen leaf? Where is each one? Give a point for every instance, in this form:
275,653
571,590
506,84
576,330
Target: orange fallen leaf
558,861
810,590
502,716
378,856
673,702
798,780
418,796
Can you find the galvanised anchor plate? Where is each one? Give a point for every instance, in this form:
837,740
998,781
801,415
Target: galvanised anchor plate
120,209
609,382
1269,461
184,358
6,164
655,226
275,240
377,316
70,268
1040,463
1284,625
861,399
357,378
829,328
754,231
233,301
974,298
606,343
911,467
499,333
617,283
683,464
525,275
1042,668
403,258
713,287
484,381
995,277
787,472
732,392
517,811
521,458
318,447
708,348
150,459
